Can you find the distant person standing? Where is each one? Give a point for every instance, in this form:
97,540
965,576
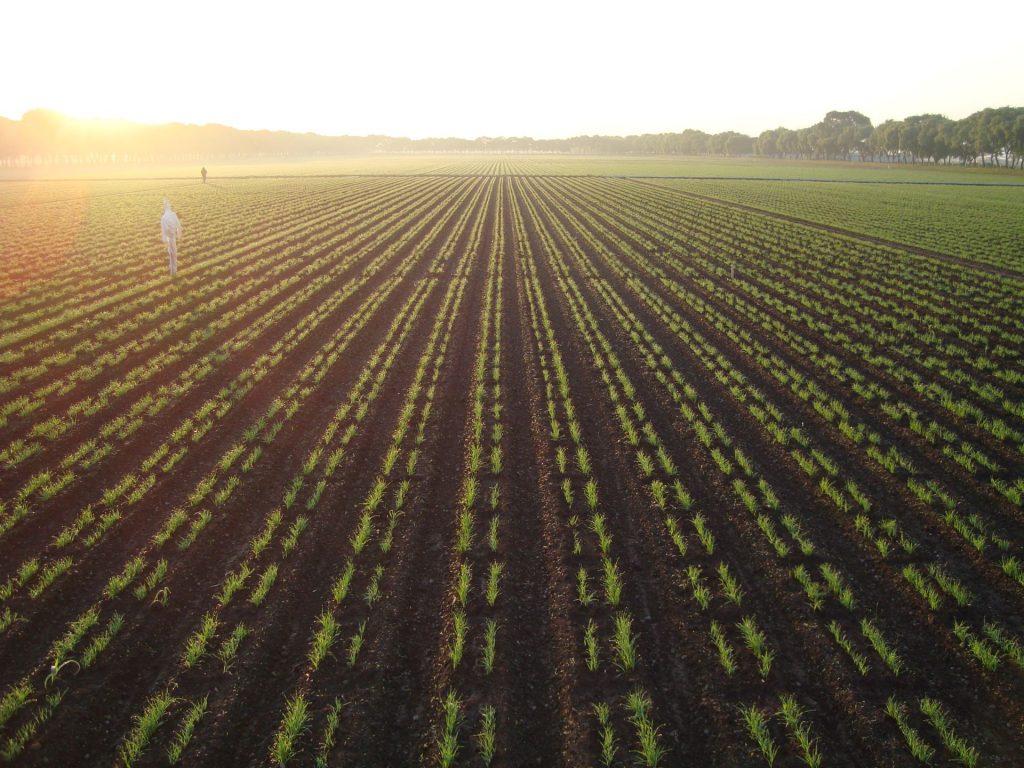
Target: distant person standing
170,231
204,174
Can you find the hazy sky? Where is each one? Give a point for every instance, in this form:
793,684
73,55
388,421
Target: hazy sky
547,69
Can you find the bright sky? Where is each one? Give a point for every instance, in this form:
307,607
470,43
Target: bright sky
541,68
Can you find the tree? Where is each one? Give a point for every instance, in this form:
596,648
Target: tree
992,132
789,142
885,139
930,136
1018,136
732,144
840,134
777,142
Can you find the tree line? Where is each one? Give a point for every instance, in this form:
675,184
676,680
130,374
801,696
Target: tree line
988,137
991,136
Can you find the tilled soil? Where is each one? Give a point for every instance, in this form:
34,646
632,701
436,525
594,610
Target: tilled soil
545,697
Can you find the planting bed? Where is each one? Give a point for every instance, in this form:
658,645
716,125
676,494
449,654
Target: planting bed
494,466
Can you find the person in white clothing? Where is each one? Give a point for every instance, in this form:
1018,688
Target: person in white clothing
170,231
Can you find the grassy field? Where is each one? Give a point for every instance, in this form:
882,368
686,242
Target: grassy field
513,461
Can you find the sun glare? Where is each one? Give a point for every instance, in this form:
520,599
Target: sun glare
466,69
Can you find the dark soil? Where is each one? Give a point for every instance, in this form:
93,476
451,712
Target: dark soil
541,688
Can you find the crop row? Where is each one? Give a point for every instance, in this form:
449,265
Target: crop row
750,483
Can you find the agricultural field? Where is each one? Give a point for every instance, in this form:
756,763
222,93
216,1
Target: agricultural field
981,224
513,461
